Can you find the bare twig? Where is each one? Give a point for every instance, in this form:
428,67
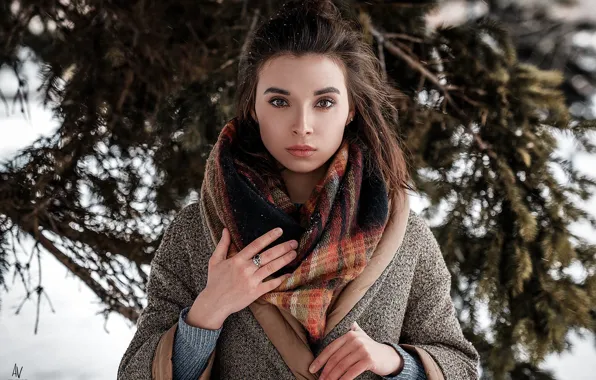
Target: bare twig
128,312
409,60
402,36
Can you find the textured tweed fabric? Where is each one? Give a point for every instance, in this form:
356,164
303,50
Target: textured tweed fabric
408,304
338,227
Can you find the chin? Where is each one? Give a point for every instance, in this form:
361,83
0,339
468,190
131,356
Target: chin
300,165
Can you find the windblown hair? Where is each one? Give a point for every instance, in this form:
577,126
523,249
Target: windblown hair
317,27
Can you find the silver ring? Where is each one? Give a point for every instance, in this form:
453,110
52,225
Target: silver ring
257,260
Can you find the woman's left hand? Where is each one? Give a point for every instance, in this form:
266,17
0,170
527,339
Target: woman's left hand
353,353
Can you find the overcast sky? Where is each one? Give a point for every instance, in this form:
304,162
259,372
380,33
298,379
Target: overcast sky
71,343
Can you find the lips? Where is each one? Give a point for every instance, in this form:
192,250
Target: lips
301,147
301,152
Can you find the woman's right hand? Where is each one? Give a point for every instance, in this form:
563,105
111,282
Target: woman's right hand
234,283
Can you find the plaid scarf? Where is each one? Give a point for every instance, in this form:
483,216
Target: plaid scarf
337,228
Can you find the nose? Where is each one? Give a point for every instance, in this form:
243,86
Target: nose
302,125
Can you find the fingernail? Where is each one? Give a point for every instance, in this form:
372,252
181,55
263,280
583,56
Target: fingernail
278,231
293,244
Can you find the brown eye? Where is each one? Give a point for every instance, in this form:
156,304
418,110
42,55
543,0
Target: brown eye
329,103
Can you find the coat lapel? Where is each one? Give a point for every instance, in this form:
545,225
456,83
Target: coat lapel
289,336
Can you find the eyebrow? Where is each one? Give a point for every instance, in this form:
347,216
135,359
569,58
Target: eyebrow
318,92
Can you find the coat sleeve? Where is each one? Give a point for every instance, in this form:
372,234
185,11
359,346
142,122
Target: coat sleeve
431,328
169,290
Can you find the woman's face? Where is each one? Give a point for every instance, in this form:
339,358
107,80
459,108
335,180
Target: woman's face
302,101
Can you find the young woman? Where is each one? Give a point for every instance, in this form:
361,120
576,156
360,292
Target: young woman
354,284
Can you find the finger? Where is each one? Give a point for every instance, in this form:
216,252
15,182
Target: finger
337,359
278,251
260,243
344,365
356,327
355,370
320,361
271,285
268,269
273,266
221,250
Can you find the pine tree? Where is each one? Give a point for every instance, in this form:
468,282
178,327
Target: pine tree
141,89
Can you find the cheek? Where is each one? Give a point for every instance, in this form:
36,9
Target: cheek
266,133
333,130
271,135
335,141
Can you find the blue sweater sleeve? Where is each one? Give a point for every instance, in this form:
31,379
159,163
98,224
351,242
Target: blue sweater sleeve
192,348
413,369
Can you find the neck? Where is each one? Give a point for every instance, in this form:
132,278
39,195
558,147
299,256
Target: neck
301,185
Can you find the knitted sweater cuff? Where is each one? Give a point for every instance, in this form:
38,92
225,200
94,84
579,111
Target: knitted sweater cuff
413,368
192,348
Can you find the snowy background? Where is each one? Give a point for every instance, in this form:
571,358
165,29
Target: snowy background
74,343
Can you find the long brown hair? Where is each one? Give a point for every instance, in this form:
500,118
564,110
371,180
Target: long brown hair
317,27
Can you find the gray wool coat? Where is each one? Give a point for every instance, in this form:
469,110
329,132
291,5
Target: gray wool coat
407,301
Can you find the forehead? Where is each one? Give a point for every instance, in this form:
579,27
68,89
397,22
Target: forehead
309,72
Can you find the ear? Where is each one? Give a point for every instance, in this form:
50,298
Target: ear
350,116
